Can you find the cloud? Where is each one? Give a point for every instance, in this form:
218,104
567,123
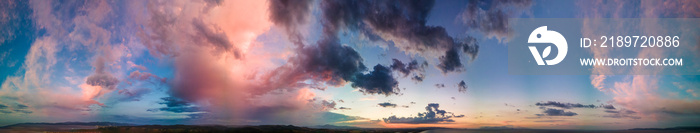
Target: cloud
213,35
462,87
21,106
218,61
440,85
433,115
290,15
334,64
418,70
379,81
212,46
3,106
23,111
622,113
299,107
176,105
497,127
101,77
492,18
551,121
5,111
556,112
101,81
65,27
450,62
210,43
401,22
134,65
328,105
145,76
418,77
13,15
608,106
132,94
345,108
330,117
387,104
564,105
639,93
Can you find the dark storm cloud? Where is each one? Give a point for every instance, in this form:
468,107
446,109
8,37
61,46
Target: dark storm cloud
176,105
332,63
290,14
492,17
564,105
432,115
379,81
403,22
462,86
329,56
387,104
556,112
335,64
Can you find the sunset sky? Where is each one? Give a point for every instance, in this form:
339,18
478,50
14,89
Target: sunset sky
373,64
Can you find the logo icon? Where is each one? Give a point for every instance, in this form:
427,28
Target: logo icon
542,35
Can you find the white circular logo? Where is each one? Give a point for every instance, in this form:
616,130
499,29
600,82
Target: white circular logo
542,35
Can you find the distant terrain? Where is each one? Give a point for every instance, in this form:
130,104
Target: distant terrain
52,127
111,127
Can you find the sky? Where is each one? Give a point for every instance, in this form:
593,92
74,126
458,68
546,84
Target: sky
373,64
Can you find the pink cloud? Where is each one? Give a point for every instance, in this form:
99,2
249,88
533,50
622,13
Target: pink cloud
640,93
